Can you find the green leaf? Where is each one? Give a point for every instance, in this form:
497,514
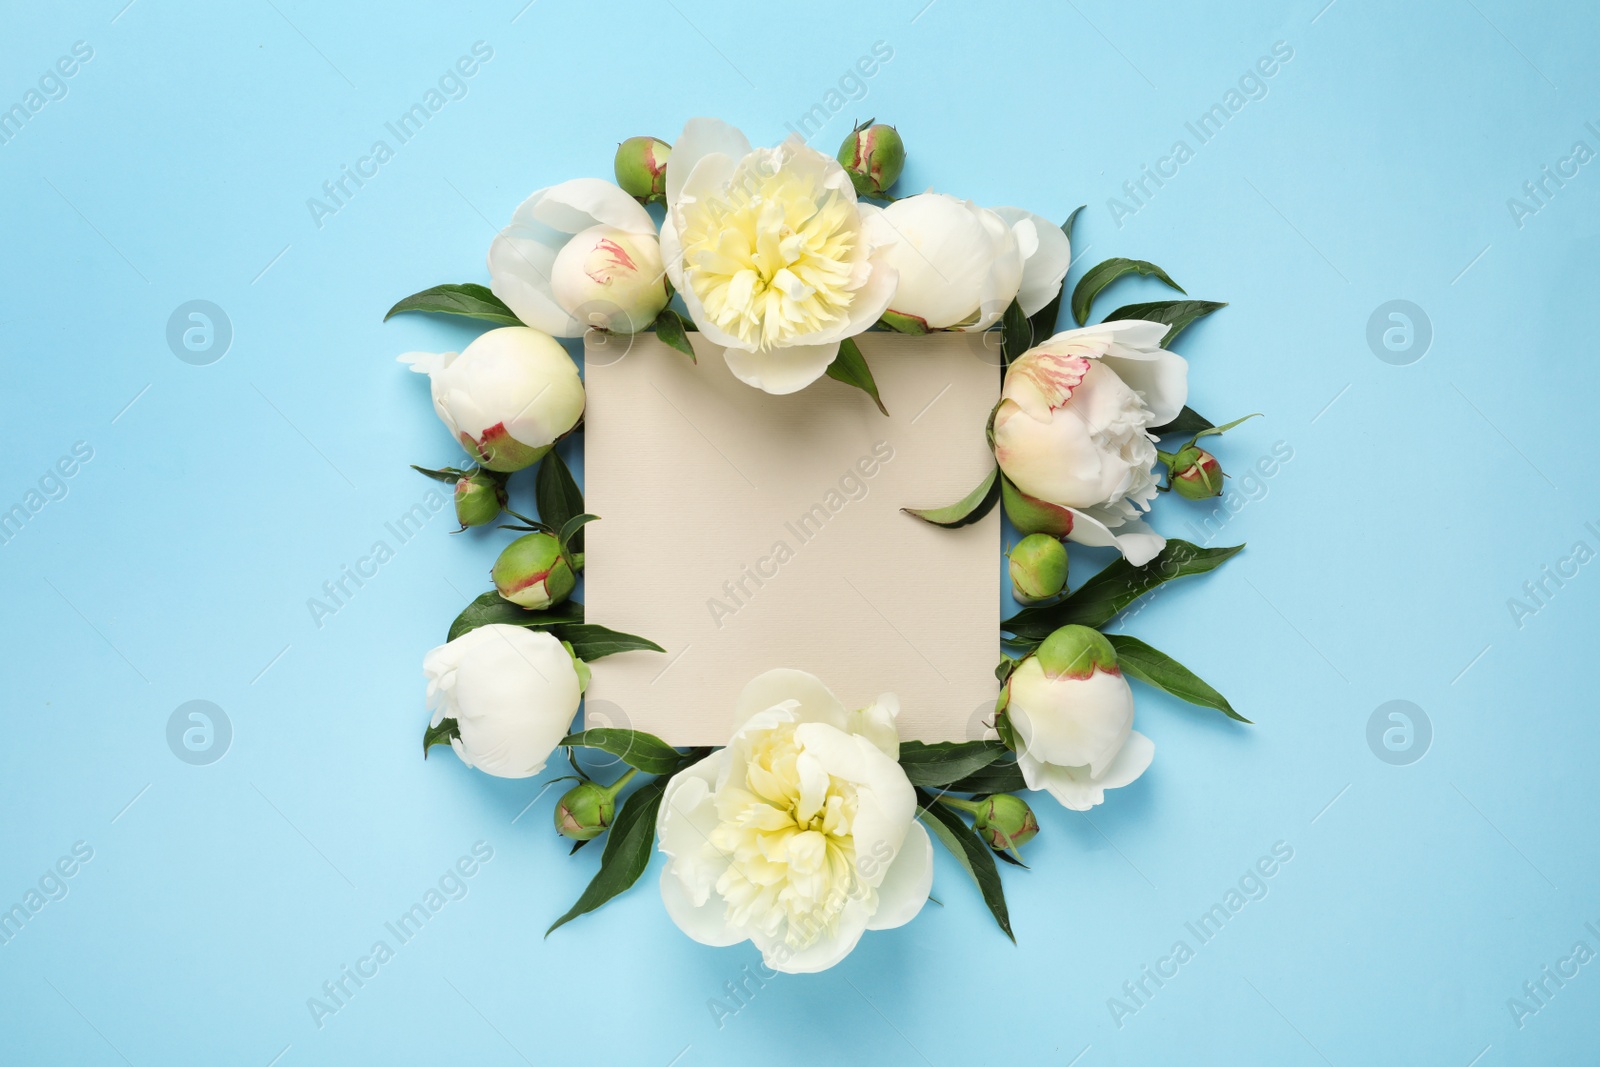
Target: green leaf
439,735
629,844
557,495
971,851
590,641
491,607
1097,601
471,300
1225,427
966,511
1189,421
947,761
1097,277
1175,313
1154,667
569,531
444,474
850,367
670,331
1042,323
998,777
634,747
1016,333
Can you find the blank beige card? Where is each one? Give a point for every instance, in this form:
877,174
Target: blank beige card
742,532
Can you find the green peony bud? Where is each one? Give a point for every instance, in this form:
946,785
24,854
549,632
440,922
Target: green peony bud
585,811
479,498
641,168
873,156
1196,474
1038,568
533,573
1005,821
1076,652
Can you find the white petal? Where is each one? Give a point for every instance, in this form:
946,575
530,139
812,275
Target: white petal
1046,255
905,888
701,137
428,363
1134,539
885,802
1073,786
520,261
815,701
778,370
876,723
706,923
825,952
1161,379
684,822
1135,333
574,206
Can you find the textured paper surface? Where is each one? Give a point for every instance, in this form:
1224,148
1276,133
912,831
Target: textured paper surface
742,532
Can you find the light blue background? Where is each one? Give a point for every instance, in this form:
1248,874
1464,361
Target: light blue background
1418,500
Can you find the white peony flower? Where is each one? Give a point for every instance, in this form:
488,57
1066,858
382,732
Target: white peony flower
506,397
1072,712
580,254
512,692
800,835
775,259
1072,433
961,265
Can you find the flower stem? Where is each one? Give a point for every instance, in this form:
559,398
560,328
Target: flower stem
968,806
615,787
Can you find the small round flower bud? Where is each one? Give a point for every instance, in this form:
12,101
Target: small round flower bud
479,498
1005,821
1038,568
532,572
641,168
585,811
873,156
1196,474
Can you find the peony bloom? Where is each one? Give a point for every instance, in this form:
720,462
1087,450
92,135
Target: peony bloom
1072,433
775,259
800,835
512,693
580,254
1072,713
506,397
961,265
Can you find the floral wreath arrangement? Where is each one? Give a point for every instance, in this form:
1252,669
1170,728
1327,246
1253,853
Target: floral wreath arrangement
813,824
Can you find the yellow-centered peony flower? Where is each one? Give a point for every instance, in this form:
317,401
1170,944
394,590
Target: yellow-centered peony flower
775,258
800,835
775,264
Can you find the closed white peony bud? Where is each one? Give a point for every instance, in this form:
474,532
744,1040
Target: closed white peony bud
507,397
961,265
512,693
576,250
801,835
1072,433
1071,711
610,279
